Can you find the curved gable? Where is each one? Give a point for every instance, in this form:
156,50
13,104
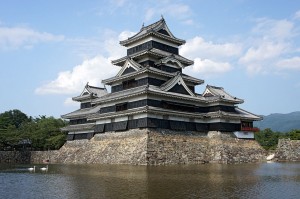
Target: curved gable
129,67
177,85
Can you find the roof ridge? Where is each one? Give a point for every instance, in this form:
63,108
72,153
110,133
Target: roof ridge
216,87
97,87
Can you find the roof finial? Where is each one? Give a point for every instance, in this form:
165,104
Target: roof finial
162,17
143,25
87,84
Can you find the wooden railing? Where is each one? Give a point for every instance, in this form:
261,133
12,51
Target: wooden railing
252,129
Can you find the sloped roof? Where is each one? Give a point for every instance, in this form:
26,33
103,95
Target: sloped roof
153,51
170,58
144,109
80,113
90,92
239,114
154,71
177,79
220,92
247,115
79,127
153,29
153,90
129,63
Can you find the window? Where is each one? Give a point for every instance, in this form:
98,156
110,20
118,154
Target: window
247,124
121,107
129,84
85,105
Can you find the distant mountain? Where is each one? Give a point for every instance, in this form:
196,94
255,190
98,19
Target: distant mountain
280,122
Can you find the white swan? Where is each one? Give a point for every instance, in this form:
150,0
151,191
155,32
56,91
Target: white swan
44,168
31,168
270,157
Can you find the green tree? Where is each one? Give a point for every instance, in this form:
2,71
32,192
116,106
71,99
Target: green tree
13,117
293,135
267,138
42,132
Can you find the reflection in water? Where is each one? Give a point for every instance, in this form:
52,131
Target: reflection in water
276,180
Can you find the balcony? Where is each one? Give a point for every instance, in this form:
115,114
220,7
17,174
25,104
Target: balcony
252,129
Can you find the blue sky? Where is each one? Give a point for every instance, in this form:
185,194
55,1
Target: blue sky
50,49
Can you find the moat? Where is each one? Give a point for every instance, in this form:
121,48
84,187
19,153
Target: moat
257,180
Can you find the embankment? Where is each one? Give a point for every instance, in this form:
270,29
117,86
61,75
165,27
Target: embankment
150,147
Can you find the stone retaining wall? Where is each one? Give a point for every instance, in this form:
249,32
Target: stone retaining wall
166,148
109,148
15,156
155,147
288,150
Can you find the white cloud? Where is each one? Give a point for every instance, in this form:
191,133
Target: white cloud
289,64
125,34
266,50
70,82
297,15
70,102
118,3
92,70
261,58
16,37
150,12
179,11
198,47
208,68
188,22
268,42
274,29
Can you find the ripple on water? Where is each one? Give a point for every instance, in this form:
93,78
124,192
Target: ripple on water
278,180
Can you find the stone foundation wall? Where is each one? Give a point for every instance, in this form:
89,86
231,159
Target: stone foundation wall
109,148
155,147
170,148
15,156
288,150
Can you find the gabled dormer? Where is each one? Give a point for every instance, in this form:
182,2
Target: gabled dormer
172,61
90,92
177,85
214,91
129,66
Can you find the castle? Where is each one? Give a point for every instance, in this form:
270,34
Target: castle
151,91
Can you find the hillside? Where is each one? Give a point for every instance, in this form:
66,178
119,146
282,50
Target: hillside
280,122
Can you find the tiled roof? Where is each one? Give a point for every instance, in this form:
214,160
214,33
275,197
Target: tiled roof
79,127
122,94
146,109
157,91
157,52
154,30
97,90
129,63
248,115
177,79
90,92
154,71
239,114
220,92
81,112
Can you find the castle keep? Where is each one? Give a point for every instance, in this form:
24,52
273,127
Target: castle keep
151,91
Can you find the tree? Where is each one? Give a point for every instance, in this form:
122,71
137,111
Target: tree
42,132
267,138
293,134
13,117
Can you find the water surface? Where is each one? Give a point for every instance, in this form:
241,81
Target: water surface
264,180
